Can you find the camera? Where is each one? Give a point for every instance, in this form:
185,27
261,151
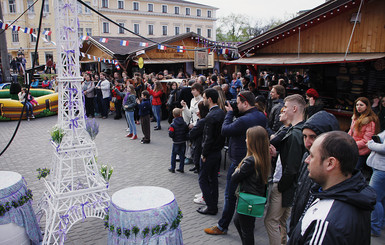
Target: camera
233,103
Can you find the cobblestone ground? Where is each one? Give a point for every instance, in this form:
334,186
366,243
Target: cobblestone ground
134,164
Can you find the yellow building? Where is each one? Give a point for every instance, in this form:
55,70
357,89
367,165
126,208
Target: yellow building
154,18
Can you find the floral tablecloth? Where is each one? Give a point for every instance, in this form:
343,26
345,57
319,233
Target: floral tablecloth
144,215
22,215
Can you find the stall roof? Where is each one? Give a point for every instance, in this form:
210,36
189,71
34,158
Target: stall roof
306,59
166,61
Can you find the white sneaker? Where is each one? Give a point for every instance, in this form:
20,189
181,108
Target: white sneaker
128,130
198,195
200,200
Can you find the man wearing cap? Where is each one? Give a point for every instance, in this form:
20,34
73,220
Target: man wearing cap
314,104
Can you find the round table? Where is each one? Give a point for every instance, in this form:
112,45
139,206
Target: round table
144,215
18,225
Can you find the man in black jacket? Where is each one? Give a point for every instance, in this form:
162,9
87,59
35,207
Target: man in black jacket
340,213
212,144
185,93
236,131
286,170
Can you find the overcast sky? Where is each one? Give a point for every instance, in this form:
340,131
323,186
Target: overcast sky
263,10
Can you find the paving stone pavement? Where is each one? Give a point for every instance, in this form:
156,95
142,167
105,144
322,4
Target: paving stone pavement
134,164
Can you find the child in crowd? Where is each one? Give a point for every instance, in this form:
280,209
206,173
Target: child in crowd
144,114
178,132
32,100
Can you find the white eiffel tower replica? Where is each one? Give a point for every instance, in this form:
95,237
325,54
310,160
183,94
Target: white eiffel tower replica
75,187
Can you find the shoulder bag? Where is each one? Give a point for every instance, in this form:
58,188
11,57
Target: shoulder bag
251,205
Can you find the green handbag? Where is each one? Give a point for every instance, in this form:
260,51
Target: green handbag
251,205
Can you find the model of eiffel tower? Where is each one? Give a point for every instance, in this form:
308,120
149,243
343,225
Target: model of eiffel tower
75,188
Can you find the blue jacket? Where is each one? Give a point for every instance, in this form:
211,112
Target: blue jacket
178,130
233,87
236,130
144,108
35,84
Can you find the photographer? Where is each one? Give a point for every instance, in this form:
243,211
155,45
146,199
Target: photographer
249,116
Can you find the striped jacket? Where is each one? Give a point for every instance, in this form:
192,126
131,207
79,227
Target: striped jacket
339,215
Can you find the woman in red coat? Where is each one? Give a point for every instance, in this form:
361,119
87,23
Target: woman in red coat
156,101
364,125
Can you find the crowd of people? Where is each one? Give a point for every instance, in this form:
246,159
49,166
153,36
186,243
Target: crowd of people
280,147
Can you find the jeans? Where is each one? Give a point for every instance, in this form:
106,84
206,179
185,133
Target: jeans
28,109
178,149
208,179
378,183
156,110
105,106
131,122
230,199
245,227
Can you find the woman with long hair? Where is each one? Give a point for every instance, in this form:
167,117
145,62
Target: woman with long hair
156,102
173,100
252,175
364,125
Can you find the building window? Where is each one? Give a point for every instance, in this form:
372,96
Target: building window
89,31
135,6
33,38
199,12
188,29
120,4
150,29
199,31
80,9
177,30
32,9
188,11
136,28
121,30
12,6
164,30
106,27
33,58
48,55
164,8
15,36
46,7
86,9
176,10
150,7
208,33
208,13
80,32
104,3
48,37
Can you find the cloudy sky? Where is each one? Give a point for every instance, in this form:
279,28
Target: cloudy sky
262,10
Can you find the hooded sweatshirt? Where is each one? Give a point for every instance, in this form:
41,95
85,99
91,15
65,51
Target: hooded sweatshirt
339,215
321,122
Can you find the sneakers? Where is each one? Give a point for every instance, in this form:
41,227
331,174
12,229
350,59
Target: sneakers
198,195
128,130
215,231
134,137
33,117
200,200
129,135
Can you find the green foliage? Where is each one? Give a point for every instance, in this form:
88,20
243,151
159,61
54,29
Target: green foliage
42,173
57,134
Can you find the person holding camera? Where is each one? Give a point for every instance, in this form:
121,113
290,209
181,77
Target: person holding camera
249,116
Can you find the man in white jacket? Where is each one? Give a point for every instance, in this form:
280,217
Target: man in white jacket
104,85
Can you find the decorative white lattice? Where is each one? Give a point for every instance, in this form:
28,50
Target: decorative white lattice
75,188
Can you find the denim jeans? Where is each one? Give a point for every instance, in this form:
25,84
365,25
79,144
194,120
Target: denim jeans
230,199
378,183
105,106
131,121
208,179
156,110
28,109
178,149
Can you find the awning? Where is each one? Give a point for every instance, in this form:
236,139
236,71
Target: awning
306,59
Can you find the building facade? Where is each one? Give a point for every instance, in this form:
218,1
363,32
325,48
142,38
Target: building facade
156,18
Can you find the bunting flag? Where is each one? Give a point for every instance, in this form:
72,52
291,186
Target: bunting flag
181,49
123,43
117,67
94,58
103,40
84,37
88,56
16,28
45,39
161,47
28,30
140,52
83,54
143,44
3,25
99,59
225,51
209,50
47,33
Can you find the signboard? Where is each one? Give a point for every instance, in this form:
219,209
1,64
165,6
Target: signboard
203,60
